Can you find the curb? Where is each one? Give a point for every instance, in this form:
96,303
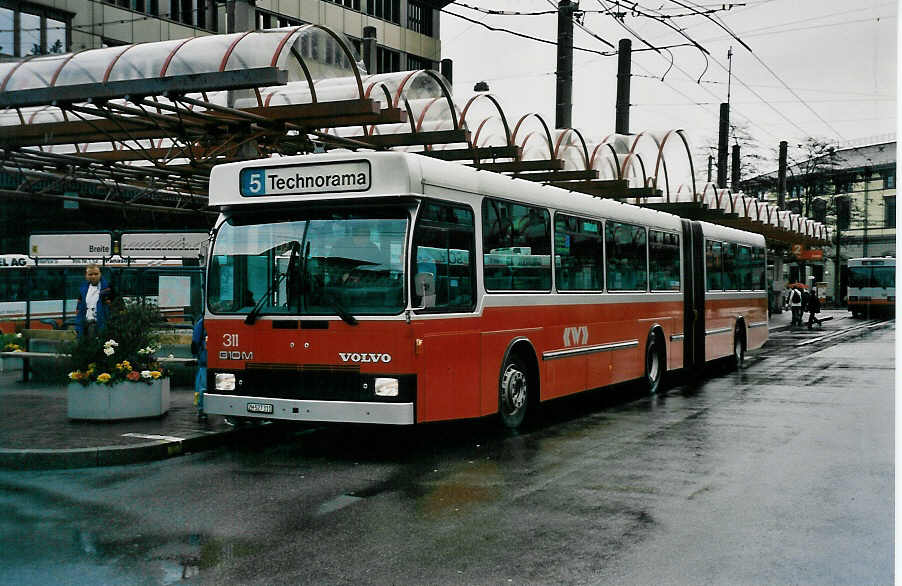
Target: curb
58,459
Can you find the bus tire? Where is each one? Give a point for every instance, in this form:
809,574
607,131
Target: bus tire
738,357
513,391
654,363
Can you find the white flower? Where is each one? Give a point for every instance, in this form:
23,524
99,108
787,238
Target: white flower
19,335
110,343
108,350
145,374
171,356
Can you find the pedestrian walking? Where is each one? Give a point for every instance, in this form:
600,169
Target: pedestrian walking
795,305
814,307
94,299
199,350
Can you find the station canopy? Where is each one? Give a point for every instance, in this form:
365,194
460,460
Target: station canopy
142,124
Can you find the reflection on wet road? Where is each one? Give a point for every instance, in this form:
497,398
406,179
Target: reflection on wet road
779,473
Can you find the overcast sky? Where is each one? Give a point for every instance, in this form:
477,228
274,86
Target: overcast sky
838,59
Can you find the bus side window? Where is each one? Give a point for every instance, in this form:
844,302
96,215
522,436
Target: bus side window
444,255
626,252
730,272
516,242
578,249
664,260
713,265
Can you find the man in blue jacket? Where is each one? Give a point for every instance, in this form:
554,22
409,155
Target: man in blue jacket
94,300
199,349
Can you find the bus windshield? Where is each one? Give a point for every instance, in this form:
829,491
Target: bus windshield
327,264
861,277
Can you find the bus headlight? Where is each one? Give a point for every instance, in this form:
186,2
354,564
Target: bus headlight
225,381
386,387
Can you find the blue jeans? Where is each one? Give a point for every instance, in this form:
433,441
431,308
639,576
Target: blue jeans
200,386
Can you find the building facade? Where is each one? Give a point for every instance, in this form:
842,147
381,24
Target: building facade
852,190
407,31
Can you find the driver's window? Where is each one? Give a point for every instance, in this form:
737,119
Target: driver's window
444,273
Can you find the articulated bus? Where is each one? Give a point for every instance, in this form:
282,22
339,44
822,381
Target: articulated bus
394,288
872,286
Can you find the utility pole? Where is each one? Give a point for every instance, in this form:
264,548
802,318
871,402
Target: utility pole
624,58
781,176
735,169
867,181
369,49
722,145
564,97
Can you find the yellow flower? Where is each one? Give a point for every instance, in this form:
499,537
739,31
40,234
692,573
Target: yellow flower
75,375
155,374
103,378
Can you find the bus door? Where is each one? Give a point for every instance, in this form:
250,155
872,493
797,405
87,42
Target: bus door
694,296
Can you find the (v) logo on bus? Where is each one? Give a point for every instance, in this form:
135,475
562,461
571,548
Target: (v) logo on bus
574,336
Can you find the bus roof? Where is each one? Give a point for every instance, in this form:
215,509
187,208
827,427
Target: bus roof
354,175
886,261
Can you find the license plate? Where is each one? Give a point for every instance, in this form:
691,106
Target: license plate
259,408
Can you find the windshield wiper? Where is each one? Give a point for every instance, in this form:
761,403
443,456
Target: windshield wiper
341,311
252,316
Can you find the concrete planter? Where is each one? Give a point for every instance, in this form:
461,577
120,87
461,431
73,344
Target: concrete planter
10,364
125,400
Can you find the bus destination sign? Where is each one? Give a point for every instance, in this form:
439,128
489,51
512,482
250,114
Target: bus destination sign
303,179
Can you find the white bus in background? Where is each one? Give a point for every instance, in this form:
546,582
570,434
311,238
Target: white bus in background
872,286
44,294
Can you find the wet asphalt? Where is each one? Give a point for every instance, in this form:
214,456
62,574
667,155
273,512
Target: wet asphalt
780,473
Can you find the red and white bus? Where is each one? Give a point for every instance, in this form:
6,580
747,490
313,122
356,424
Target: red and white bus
872,286
395,288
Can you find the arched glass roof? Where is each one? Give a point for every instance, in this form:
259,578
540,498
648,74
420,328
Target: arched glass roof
321,69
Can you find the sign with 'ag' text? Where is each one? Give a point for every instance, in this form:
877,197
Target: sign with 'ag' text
303,179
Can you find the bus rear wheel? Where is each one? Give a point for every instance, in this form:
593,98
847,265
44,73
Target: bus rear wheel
513,392
654,363
738,357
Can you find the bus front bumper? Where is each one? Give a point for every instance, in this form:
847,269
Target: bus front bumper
309,410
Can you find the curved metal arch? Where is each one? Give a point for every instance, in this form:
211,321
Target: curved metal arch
14,69
660,158
172,54
632,148
544,125
341,43
626,160
491,98
231,49
109,69
614,157
64,63
441,84
307,74
368,130
582,141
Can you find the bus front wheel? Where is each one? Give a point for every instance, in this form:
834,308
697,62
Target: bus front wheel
513,392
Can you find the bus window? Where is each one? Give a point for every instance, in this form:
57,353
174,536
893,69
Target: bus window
516,242
730,269
579,254
626,254
713,266
883,277
664,260
744,268
445,248
759,267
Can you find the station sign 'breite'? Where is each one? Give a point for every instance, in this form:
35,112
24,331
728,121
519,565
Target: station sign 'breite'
301,179
93,246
